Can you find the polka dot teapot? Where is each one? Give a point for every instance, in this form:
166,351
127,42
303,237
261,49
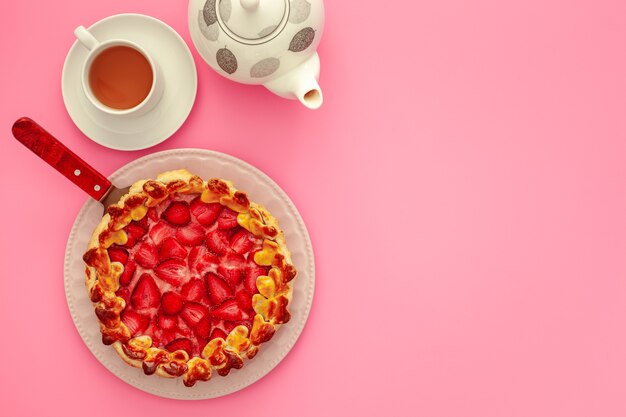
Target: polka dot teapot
268,42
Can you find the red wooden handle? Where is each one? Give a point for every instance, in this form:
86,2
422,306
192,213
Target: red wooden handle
48,148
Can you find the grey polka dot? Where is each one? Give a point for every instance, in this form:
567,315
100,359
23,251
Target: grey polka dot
267,31
225,9
208,12
302,40
226,60
210,32
299,11
264,67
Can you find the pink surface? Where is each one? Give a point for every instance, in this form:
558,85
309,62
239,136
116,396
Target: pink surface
463,185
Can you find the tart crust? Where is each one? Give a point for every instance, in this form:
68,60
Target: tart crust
219,355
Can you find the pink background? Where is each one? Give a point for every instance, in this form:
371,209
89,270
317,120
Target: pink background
463,185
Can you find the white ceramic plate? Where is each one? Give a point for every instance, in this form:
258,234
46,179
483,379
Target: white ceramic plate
177,68
260,188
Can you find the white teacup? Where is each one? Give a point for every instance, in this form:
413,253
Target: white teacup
95,49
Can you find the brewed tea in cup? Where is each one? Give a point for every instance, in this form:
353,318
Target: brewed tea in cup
119,77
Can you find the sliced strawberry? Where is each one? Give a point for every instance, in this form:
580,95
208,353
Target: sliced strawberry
160,232
166,337
166,322
229,326
118,254
250,321
219,291
171,303
152,214
177,213
217,241
232,268
244,299
134,232
194,290
201,260
172,249
234,260
146,293
128,273
147,255
180,344
191,235
227,219
217,332
203,329
183,328
136,323
250,275
242,241
172,271
192,313
231,275
144,222
230,311
194,255
205,213
124,292
152,329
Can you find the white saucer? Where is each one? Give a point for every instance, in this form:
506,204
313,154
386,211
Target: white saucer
178,70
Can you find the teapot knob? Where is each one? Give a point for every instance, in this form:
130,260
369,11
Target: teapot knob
250,5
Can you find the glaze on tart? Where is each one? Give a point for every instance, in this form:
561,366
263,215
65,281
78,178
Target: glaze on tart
188,276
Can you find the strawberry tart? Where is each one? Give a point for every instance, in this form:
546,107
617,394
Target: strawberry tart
188,277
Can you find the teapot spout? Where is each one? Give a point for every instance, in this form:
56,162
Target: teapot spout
300,83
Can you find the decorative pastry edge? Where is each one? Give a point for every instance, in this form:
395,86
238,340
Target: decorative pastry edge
219,355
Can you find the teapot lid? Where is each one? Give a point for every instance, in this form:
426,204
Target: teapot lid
252,21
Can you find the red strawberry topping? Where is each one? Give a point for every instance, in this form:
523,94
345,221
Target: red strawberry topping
177,213
166,322
171,302
230,311
124,293
194,290
231,275
244,299
118,254
242,241
136,323
134,232
218,333
146,293
152,214
217,241
229,326
147,255
165,338
251,274
227,219
219,291
172,249
205,213
192,313
180,344
203,329
191,235
172,271
201,260
128,273
232,268
197,274
160,232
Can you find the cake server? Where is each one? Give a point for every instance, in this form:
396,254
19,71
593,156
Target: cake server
59,157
